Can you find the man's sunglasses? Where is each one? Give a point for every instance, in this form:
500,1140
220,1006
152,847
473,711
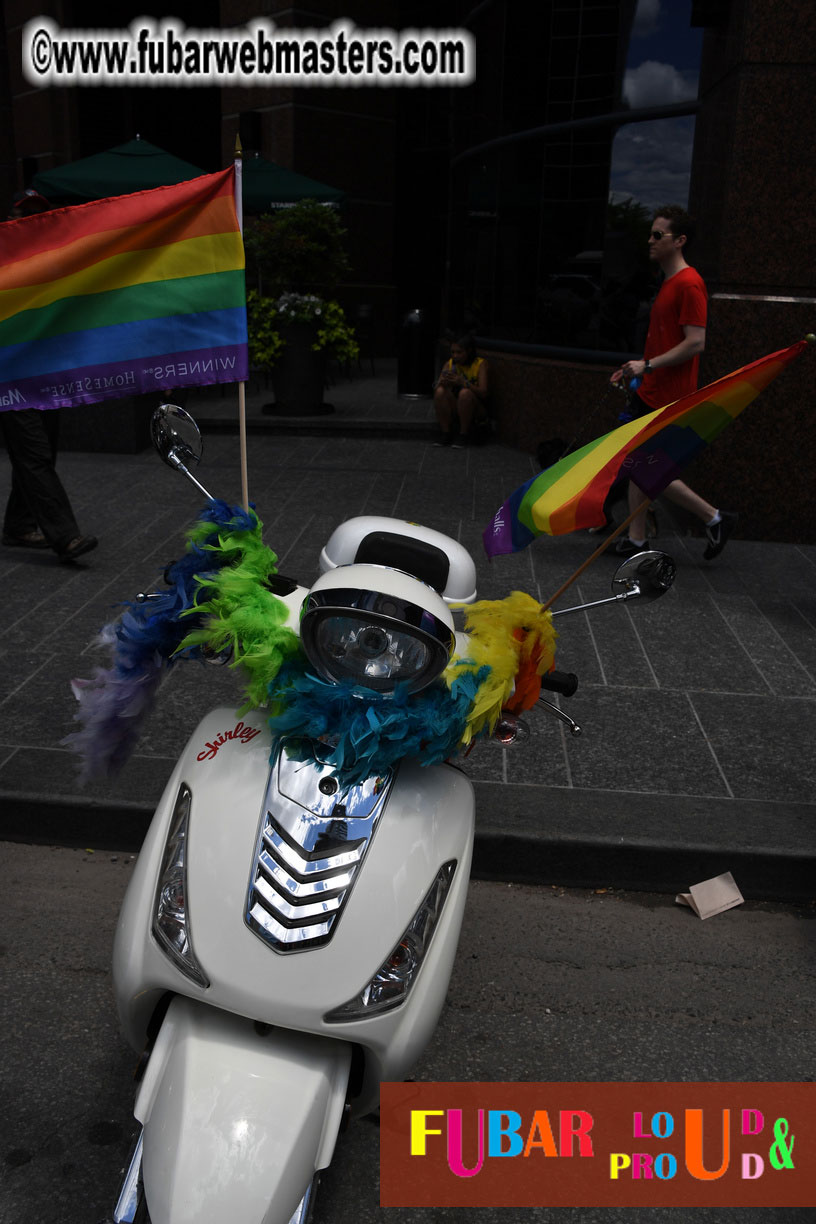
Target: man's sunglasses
658,234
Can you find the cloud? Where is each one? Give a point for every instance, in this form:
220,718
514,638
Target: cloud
651,162
647,18
655,84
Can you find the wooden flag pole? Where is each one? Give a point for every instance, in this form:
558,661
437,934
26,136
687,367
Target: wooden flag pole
644,505
242,433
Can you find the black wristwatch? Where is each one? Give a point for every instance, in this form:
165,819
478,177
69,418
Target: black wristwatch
647,366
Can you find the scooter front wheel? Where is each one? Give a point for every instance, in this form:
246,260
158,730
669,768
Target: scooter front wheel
304,1212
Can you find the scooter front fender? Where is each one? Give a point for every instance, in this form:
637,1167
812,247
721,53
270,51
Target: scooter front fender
237,1117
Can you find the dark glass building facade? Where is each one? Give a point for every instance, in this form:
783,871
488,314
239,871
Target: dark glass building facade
518,210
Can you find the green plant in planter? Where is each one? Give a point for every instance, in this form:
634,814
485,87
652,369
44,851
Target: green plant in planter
298,258
335,335
268,319
265,344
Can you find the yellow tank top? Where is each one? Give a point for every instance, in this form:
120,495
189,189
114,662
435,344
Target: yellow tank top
468,372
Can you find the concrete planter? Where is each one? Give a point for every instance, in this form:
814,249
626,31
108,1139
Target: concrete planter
299,377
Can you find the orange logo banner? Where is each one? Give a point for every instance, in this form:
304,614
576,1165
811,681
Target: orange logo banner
598,1145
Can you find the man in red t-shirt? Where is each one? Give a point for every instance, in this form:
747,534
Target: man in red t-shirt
669,367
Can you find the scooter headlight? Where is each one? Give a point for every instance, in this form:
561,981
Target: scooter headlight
171,921
390,985
377,639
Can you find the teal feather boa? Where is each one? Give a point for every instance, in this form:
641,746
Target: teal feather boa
362,735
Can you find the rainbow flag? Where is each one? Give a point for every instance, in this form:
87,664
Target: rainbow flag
132,294
651,450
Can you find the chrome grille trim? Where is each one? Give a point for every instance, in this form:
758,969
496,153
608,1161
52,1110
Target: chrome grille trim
290,939
297,888
274,900
310,846
299,863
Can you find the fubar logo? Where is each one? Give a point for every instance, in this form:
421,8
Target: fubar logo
504,1135
598,1145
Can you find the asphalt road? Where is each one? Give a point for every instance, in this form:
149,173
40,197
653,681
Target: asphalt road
549,985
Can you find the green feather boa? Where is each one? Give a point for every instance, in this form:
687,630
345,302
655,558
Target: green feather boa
241,613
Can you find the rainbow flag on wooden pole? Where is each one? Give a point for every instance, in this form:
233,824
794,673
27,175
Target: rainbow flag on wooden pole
132,294
651,450
238,165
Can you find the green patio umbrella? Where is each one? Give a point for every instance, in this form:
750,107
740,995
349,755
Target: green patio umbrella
267,187
134,166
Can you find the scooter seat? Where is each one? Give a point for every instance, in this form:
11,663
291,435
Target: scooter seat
415,557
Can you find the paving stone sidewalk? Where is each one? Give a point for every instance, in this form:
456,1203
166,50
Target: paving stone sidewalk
697,710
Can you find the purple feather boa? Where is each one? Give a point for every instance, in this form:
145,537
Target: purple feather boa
144,644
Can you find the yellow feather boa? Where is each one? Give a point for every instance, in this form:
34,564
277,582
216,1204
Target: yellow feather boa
507,636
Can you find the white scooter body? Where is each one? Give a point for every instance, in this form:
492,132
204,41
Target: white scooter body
248,1079
302,911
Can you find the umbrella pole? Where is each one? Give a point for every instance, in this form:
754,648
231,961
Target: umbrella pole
644,505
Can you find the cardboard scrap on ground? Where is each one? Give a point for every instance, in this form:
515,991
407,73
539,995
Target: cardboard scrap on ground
712,896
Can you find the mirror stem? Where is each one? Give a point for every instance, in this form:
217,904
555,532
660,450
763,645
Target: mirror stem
632,593
180,466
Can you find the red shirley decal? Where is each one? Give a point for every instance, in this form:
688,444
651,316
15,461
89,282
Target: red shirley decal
239,732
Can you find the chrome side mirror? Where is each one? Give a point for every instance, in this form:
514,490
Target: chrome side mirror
647,574
177,439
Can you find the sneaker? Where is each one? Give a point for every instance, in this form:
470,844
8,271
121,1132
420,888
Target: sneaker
628,548
717,535
462,441
447,439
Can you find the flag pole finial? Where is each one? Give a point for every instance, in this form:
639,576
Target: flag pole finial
810,338
239,149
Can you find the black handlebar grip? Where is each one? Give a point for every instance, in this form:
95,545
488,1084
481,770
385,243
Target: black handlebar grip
564,683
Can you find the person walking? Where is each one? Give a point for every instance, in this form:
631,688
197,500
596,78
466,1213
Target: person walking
38,513
669,368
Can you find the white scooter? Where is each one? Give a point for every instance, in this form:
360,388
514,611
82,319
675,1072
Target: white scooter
286,942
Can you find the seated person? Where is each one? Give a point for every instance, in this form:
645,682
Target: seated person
460,395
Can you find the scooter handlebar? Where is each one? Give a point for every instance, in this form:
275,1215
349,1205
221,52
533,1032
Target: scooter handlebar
564,683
